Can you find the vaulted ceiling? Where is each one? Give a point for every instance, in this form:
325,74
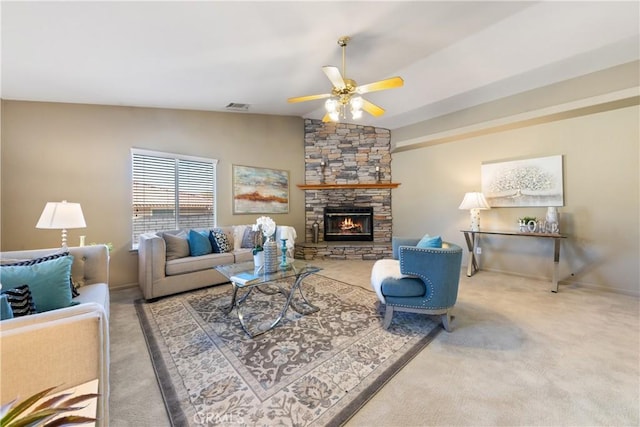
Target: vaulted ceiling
205,55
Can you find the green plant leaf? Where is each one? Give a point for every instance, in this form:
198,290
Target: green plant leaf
46,410
15,411
70,419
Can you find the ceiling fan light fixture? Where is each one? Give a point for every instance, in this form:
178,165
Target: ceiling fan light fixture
343,90
331,105
356,103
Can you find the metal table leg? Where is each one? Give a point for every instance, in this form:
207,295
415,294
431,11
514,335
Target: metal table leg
556,265
288,293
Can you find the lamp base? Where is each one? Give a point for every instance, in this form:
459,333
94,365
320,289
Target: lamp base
475,219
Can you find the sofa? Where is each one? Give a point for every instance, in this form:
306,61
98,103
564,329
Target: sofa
62,347
163,270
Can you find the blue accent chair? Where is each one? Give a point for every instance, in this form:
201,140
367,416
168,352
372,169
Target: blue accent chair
418,280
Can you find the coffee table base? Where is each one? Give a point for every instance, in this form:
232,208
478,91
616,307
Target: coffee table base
237,302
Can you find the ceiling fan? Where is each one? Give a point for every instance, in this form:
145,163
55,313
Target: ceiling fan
345,92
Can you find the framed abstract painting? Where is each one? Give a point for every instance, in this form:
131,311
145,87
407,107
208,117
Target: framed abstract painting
260,190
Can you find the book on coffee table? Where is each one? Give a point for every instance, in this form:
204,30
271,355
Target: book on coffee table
245,278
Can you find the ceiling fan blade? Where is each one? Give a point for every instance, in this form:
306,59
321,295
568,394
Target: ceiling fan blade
389,83
333,73
372,108
308,97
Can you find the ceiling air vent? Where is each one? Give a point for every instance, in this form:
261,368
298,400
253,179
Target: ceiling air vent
234,106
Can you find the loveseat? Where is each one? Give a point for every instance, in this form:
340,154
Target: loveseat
62,347
165,269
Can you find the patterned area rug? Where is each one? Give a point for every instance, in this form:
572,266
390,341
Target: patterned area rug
317,369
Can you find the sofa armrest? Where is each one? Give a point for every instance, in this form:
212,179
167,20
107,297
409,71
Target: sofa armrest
152,259
63,348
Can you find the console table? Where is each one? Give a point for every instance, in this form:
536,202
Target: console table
472,245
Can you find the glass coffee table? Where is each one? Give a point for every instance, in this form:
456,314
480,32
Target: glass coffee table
244,276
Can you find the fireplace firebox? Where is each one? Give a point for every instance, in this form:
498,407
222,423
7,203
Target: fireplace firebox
348,223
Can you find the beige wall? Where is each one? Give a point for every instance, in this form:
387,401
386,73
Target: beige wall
81,153
601,213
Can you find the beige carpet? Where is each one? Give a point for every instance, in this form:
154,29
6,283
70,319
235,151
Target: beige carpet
519,355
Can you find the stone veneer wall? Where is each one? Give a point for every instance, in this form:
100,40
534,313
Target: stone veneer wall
351,153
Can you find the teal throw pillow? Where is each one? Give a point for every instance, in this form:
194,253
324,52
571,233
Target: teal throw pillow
5,308
430,242
199,243
48,282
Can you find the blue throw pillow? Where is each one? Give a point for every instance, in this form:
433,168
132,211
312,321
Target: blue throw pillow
48,282
430,242
214,243
199,243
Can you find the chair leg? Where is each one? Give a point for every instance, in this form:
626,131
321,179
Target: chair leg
388,314
446,321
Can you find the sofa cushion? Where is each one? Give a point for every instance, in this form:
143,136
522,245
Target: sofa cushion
243,255
20,300
48,281
97,293
199,243
177,245
197,263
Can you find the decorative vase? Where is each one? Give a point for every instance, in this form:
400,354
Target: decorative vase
258,260
315,227
270,256
553,220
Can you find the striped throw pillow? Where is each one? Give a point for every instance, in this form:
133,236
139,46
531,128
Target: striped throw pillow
20,300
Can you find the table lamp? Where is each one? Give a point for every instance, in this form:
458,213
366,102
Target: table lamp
61,216
474,202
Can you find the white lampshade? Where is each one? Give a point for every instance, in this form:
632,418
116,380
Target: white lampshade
61,216
474,202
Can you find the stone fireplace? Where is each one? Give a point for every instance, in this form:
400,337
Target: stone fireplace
347,165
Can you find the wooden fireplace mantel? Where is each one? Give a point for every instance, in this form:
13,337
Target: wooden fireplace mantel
345,186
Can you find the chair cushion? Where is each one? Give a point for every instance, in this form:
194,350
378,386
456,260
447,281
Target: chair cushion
407,287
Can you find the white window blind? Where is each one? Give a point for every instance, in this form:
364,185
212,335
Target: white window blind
171,191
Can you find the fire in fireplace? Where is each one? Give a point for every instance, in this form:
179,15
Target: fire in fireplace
348,223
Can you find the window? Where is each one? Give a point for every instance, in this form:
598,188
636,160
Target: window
171,191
